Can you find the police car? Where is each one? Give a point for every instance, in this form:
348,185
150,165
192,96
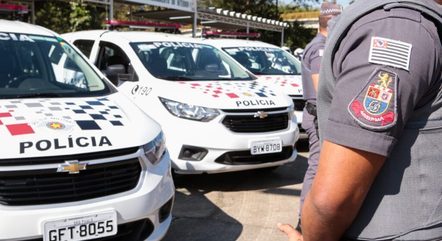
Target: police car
215,116
273,65
79,160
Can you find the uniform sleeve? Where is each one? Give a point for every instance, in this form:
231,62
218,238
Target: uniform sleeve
315,59
385,68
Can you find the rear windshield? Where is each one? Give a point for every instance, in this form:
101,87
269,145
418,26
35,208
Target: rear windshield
266,61
41,66
188,61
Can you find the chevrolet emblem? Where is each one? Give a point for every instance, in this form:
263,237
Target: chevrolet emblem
261,114
73,167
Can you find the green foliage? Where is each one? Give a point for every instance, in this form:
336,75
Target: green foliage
52,15
297,36
63,17
79,17
75,15
293,8
121,11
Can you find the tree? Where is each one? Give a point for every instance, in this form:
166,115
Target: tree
79,17
52,15
62,16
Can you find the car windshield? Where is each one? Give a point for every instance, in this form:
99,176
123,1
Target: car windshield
41,66
266,61
188,61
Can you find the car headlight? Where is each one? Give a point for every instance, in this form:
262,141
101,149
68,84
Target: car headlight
155,149
191,112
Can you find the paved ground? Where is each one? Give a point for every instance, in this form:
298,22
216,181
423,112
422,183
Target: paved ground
243,206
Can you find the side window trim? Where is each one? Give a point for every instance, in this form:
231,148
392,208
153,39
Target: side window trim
85,49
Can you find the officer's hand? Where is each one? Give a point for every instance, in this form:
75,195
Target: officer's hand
291,232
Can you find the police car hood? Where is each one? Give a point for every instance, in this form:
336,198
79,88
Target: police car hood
67,126
288,84
227,94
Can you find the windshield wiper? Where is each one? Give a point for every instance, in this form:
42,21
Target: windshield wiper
174,78
37,95
245,78
259,73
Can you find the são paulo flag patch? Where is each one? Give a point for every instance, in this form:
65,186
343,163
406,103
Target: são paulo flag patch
375,106
390,52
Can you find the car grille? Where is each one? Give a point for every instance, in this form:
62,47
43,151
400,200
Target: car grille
244,157
138,230
46,186
247,123
58,159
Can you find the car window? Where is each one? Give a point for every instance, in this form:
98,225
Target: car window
115,64
85,46
188,61
33,65
265,61
111,54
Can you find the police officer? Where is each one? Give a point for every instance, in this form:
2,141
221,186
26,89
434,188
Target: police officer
380,119
311,62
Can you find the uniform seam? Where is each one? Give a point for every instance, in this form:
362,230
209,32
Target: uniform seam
312,51
329,135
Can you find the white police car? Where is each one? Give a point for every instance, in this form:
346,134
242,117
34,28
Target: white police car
215,116
273,65
78,159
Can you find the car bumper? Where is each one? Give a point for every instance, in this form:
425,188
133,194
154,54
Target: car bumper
154,190
218,142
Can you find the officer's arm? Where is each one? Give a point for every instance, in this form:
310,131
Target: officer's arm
315,65
343,179
315,78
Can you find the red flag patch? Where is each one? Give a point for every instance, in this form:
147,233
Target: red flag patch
20,129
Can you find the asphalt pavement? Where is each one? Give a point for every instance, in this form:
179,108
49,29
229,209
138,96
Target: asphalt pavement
243,206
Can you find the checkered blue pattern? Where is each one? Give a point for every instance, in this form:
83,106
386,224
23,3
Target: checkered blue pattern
16,116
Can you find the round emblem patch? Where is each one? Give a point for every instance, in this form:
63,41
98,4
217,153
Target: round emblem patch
375,105
55,125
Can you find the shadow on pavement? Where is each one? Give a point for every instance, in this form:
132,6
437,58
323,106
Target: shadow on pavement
195,217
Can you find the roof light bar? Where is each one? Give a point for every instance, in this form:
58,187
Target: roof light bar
141,24
14,7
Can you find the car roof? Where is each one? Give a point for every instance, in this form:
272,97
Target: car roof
223,43
88,34
133,36
24,28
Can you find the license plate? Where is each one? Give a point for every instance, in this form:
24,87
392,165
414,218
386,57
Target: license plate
265,147
89,226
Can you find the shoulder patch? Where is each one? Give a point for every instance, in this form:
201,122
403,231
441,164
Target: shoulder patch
375,106
390,52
